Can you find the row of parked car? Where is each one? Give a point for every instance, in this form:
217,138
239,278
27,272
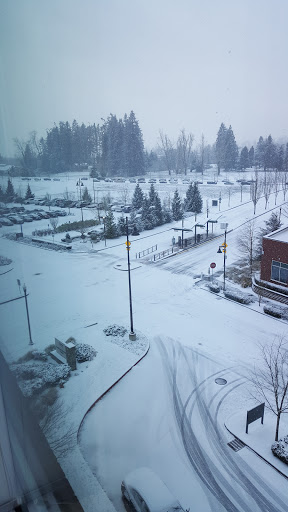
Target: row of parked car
18,215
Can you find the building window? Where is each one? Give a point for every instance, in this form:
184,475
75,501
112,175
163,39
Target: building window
279,272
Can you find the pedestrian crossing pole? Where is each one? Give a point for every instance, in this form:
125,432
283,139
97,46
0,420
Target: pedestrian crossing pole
132,335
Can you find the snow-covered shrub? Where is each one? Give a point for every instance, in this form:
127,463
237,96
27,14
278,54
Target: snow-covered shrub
272,310
115,330
4,261
85,352
71,340
34,376
238,296
280,449
39,355
214,287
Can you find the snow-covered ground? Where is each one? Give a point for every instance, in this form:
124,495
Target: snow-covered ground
80,293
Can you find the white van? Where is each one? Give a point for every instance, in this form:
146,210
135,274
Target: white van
147,492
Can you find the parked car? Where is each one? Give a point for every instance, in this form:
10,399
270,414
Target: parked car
146,492
15,219
132,180
141,180
6,222
162,180
28,218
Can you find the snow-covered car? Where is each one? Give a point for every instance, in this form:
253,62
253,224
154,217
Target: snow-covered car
6,222
146,492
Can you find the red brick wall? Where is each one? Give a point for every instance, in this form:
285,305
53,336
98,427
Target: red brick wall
273,250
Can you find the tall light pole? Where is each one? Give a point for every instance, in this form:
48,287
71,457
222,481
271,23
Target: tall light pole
28,319
222,248
132,335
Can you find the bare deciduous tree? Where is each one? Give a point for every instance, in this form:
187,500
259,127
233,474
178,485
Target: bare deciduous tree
276,183
284,183
124,194
271,379
247,242
168,149
54,223
184,150
255,189
267,187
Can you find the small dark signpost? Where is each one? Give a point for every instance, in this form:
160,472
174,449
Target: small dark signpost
255,414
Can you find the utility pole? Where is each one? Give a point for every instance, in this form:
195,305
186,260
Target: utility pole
132,335
28,320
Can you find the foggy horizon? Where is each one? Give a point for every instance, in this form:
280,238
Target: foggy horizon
176,66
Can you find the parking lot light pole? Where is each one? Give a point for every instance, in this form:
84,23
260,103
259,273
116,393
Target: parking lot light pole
132,335
222,248
28,320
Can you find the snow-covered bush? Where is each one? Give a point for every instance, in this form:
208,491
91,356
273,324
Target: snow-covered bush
214,287
280,449
4,261
37,355
85,352
115,330
238,296
33,377
272,310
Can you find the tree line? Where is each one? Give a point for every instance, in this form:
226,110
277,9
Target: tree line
148,211
116,148
181,156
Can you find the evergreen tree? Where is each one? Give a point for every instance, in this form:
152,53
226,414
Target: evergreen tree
244,158
152,195
177,211
198,203
158,211
221,146
251,156
110,226
269,154
121,226
133,147
2,195
189,199
9,194
259,153
135,231
137,198
231,150
146,215
279,158
286,158
29,194
86,196
193,200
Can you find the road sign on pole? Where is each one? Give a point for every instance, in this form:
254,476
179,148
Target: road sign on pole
212,265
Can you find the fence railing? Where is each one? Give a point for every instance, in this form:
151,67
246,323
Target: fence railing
162,254
146,251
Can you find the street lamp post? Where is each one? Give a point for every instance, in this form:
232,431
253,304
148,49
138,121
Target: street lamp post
132,335
28,320
222,248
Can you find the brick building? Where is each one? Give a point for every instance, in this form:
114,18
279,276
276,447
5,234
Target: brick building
274,260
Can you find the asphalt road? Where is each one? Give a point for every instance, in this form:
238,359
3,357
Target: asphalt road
181,436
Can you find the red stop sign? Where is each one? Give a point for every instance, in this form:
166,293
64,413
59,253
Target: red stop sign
212,265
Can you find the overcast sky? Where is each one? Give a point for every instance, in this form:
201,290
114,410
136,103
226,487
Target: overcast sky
178,64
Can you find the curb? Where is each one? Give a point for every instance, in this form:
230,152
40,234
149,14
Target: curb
107,390
256,453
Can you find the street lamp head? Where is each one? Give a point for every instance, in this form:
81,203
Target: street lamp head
219,251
